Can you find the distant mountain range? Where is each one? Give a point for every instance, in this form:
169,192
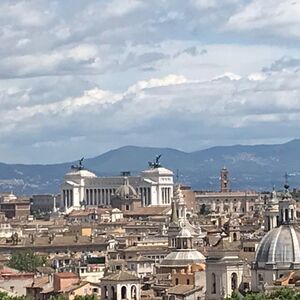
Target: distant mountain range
251,167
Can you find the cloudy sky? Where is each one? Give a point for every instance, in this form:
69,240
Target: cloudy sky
80,77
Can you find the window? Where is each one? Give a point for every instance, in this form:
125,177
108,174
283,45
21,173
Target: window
234,283
123,292
213,282
187,281
176,281
105,292
234,237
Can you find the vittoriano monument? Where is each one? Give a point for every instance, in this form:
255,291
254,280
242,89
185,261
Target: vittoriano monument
79,166
156,163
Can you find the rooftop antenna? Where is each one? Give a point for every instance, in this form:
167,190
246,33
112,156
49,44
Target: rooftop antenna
177,175
286,183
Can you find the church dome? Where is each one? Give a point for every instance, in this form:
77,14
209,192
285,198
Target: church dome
126,190
182,258
279,247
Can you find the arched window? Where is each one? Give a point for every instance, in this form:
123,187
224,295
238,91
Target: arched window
176,281
234,237
133,292
105,292
187,281
234,281
113,292
213,283
123,292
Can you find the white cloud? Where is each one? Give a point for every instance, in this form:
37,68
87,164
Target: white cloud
279,17
80,76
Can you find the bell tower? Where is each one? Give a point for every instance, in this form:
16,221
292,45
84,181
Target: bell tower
287,209
271,218
224,180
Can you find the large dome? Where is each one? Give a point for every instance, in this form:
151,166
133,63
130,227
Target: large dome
182,258
126,190
279,248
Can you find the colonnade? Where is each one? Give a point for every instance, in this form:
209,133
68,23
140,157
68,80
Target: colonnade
145,194
95,197
166,195
68,198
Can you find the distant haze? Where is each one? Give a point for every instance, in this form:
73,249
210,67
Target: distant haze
256,167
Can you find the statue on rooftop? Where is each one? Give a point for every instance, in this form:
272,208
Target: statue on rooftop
79,166
156,163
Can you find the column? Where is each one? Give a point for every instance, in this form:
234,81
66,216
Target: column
102,196
109,195
149,196
91,197
231,205
64,197
146,196
86,196
213,205
72,201
162,196
142,197
168,195
221,206
95,195
99,194
106,196
68,198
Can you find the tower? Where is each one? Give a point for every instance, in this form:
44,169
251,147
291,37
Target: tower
232,229
287,210
180,205
224,270
173,225
271,219
224,180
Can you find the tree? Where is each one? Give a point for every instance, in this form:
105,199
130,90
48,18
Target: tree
281,294
58,297
5,296
26,261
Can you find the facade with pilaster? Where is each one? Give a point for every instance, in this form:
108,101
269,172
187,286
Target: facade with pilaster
83,188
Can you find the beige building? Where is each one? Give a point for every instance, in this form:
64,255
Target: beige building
224,270
120,285
226,201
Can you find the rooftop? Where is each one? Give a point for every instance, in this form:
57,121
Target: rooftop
121,276
182,289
